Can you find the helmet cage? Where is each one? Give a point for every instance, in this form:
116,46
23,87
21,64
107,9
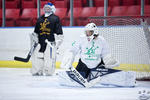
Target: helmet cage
91,27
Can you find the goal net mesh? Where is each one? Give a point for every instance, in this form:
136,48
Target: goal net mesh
129,41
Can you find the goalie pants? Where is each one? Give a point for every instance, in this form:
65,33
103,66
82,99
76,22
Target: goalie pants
43,63
83,69
122,78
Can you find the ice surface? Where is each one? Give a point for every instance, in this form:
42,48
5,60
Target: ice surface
18,84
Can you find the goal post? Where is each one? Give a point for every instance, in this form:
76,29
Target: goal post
129,40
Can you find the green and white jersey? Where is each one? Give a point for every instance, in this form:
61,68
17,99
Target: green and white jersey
92,51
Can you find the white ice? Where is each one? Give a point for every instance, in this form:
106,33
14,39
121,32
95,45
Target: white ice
19,84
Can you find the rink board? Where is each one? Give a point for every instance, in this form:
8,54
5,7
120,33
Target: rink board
120,50
133,67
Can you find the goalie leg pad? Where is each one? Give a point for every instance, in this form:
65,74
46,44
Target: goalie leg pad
122,79
49,60
65,80
37,62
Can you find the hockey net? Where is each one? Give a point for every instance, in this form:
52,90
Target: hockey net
129,40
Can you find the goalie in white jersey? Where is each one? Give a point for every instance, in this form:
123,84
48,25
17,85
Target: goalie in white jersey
94,52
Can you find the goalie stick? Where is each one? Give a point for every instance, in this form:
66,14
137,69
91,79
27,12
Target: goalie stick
28,56
79,77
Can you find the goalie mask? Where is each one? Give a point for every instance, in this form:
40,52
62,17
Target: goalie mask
91,31
49,8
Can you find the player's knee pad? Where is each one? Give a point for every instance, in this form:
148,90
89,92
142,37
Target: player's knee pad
49,60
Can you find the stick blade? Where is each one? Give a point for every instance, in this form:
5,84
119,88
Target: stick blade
21,59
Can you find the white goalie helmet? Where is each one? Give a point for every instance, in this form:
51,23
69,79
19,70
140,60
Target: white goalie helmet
91,27
49,8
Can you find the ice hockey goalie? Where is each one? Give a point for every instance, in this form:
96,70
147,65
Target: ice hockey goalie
95,66
47,27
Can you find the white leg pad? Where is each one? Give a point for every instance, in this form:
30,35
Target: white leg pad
64,80
37,61
123,78
49,60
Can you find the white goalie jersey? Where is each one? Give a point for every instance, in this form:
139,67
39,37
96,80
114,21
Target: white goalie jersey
91,51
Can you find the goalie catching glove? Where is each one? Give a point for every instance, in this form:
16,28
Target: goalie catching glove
67,60
110,61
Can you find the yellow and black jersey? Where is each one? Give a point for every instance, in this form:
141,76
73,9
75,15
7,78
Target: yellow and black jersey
46,27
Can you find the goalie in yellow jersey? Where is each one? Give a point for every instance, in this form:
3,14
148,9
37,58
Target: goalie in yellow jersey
48,27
